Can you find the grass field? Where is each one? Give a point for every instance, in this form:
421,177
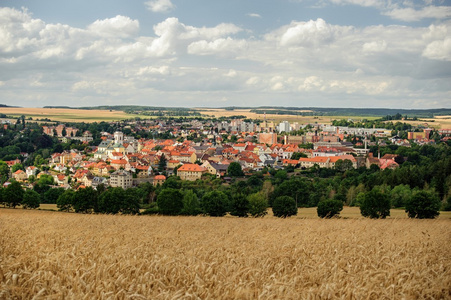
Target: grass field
67,115
51,255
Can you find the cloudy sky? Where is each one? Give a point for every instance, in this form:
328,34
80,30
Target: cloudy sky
205,53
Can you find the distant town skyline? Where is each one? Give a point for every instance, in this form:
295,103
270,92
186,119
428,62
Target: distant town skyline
200,53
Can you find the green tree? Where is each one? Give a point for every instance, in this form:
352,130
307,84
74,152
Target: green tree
170,202
234,169
400,194
423,205
130,203
215,203
51,195
4,172
258,205
329,208
17,167
376,204
85,200
191,204
110,201
30,200
239,205
162,163
343,165
66,200
284,206
13,194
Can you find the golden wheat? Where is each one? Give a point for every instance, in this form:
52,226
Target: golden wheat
51,255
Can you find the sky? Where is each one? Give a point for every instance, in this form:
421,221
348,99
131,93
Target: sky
205,53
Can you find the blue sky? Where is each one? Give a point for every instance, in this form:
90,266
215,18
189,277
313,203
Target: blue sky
203,53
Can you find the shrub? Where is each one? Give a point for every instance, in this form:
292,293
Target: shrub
284,206
329,208
258,205
423,205
375,204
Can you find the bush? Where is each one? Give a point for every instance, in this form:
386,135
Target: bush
239,205
170,202
329,208
284,206
375,204
258,205
215,203
423,205
151,210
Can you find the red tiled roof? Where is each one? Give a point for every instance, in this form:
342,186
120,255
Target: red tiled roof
191,168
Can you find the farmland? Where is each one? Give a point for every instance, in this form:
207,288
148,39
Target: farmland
62,255
66,115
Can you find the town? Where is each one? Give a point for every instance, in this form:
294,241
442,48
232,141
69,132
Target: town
192,148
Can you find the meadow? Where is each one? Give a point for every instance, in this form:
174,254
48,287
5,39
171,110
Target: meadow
54,255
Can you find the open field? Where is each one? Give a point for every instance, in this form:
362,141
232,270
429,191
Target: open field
67,115
72,256
276,118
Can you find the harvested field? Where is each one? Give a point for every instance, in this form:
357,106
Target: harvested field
67,115
56,255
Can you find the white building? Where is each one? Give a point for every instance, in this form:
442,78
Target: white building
121,178
284,127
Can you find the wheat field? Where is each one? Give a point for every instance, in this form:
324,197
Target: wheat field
54,255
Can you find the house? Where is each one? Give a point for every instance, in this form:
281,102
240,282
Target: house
31,171
321,161
215,169
191,172
96,181
159,180
60,179
20,175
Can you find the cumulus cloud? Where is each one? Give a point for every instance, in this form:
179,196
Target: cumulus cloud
174,36
161,6
118,26
410,14
439,50
311,33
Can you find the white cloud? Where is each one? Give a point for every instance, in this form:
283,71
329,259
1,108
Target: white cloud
221,46
118,26
410,14
254,15
311,33
439,50
160,5
375,46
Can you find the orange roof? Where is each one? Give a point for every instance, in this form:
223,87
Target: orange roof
334,159
18,172
119,161
191,168
160,177
317,159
